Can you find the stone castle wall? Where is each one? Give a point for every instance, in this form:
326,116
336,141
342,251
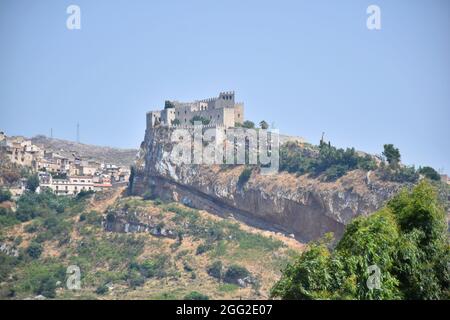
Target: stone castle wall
221,111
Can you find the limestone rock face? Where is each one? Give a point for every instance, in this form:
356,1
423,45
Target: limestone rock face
297,205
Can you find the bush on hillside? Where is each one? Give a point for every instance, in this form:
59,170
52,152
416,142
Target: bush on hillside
407,241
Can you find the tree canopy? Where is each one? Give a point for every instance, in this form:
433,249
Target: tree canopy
392,154
406,240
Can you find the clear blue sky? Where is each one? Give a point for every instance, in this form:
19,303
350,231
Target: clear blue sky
307,66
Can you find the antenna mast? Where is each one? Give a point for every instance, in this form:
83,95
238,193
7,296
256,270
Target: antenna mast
78,132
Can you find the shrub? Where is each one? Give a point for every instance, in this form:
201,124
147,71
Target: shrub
194,295
135,279
202,248
244,176
148,195
33,183
203,120
235,272
248,124
5,195
34,250
83,194
7,217
155,267
333,163
187,267
400,174
102,289
392,154
32,227
94,218
215,270
428,172
47,287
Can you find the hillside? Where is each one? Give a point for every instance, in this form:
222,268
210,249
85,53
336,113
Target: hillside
305,204
123,157
168,252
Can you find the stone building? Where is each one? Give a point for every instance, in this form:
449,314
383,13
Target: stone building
221,110
68,186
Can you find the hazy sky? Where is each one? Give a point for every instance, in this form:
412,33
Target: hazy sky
307,66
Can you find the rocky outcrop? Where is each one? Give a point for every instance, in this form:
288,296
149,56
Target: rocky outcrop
298,205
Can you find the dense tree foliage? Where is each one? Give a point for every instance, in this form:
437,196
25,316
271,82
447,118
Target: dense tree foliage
392,154
407,241
201,119
33,183
248,124
399,174
330,161
430,173
5,195
244,176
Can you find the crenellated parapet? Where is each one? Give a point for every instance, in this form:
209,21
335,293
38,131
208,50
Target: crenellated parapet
216,111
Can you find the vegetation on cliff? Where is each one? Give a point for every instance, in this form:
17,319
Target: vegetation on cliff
406,240
330,163
326,160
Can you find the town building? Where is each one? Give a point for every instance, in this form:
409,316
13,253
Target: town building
63,175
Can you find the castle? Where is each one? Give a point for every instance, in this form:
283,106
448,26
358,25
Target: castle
218,111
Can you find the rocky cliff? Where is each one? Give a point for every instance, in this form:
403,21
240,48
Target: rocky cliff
301,206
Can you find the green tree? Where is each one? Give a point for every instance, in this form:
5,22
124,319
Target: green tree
215,270
47,287
131,180
201,119
244,176
176,122
248,124
34,250
33,183
102,289
407,240
234,273
194,295
430,173
5,195
392,154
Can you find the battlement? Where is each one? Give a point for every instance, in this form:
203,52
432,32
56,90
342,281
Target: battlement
221,110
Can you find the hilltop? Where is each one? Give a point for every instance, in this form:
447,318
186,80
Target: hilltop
122,157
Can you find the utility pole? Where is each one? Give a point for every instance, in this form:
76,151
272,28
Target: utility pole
78,132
